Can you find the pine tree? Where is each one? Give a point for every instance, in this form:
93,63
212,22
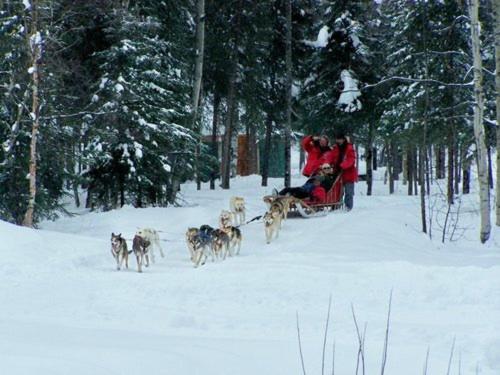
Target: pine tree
145,94
13,111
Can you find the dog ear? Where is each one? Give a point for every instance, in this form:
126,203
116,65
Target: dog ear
119,235
112,234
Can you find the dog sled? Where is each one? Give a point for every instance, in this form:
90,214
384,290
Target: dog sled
307,208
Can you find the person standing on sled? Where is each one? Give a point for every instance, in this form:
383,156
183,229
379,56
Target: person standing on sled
342,158
315,147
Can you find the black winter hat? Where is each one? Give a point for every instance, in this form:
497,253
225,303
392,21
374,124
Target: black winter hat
340,135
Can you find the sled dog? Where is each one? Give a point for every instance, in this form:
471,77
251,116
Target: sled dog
200,244
237,208
220,243
287,202
279,204
141,246
225,220
207,231
119,250
153,238
272,225
234,235
278,208
191,234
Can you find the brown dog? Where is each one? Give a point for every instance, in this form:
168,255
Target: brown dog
140,246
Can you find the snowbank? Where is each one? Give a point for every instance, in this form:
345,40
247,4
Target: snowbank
65,309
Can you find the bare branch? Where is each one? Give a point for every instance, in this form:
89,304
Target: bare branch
361,353
426,363
300,346
333,359
416,80
326,335
386,339
76,115
451,357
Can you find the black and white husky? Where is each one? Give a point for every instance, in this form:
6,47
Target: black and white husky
234,235
220,243
200,244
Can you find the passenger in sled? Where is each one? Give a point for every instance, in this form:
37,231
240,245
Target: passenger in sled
316,187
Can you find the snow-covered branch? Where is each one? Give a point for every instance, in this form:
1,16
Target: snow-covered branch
417,80
76,115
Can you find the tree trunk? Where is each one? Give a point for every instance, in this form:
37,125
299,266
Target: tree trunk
214,145
490,168
74,169
405,167
496,10
421,173
396,163
465,173
369,160
423,148
200,47
228,134
409,169
267,150
451,170
430,167
198,74
482,157
288,125
35,49
232,103
390,166
415,171
428,172
457,166
440,162
374,158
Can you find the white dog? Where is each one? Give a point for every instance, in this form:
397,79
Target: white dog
272,225
237,208
153,238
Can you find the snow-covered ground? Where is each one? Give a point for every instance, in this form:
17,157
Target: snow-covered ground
66,310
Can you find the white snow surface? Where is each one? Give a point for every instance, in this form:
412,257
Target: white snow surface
66,310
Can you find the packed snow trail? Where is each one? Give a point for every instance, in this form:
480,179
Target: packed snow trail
65,309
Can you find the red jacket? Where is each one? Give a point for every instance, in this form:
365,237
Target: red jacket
318,195
346,162
314,154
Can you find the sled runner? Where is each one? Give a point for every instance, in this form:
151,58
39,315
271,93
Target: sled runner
307,208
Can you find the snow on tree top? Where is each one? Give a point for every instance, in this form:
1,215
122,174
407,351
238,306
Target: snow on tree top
322,39
119,88
103,83
348,100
